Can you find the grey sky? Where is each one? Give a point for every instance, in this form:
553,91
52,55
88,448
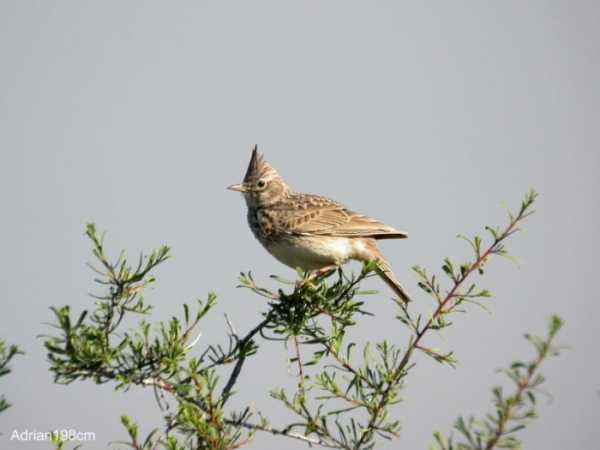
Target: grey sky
431,117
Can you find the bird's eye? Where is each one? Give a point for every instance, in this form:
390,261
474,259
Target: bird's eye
261,183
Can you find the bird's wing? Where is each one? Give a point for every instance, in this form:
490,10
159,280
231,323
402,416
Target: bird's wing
315,215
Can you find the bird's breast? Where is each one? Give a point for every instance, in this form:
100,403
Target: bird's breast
306,251
310,252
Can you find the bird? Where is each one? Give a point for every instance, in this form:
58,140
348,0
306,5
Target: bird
311,232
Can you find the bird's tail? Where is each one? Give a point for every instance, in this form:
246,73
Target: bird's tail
385,272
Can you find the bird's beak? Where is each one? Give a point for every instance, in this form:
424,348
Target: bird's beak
237,187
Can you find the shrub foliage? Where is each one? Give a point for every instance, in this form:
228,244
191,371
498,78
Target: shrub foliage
345,394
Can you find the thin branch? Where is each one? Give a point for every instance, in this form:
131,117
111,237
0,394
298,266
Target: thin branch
285,432
194,341
299,361
510,229
240,362
522,387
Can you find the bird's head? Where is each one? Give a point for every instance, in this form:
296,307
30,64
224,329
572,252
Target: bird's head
262,185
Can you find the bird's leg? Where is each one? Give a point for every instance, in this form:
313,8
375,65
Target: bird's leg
323,272
316,274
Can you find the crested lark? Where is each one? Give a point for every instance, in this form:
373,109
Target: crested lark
309,231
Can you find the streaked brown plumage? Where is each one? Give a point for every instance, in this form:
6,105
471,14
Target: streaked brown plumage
310,231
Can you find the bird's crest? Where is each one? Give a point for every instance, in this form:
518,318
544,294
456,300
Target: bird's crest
258,167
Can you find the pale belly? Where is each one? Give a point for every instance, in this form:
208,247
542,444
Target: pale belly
309,253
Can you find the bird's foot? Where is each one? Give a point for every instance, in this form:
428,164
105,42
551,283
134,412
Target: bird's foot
315,276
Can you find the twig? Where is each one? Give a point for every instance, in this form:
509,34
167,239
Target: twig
194,341
163,385
240,362
230,326
522,387
285,432
510,229
300,368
